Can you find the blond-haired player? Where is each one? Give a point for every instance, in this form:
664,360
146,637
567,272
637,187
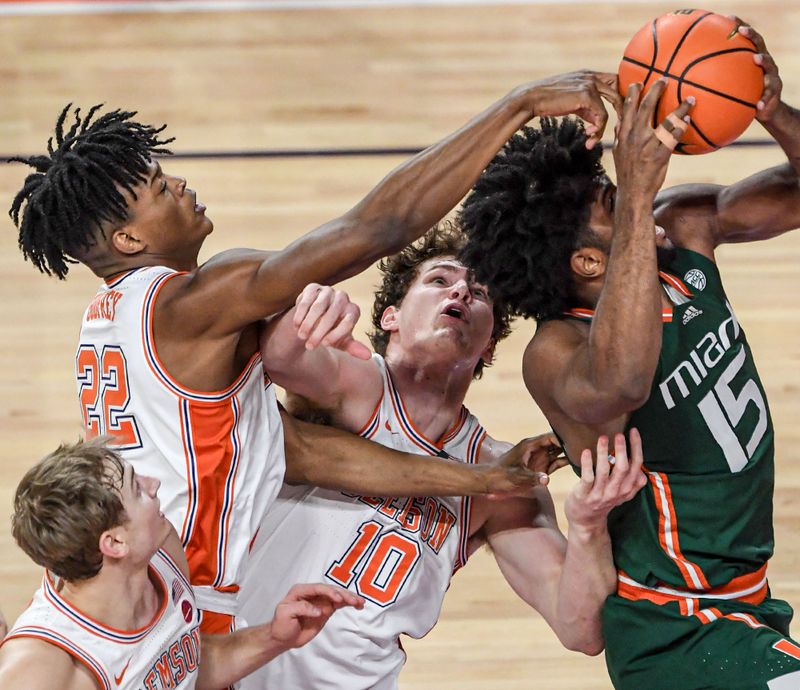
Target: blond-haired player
168,357
115,609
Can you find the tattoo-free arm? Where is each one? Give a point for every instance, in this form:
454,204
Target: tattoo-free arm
334,459
237,288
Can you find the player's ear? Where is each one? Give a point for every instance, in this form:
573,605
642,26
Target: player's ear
389,318
589,262
126,241
114,542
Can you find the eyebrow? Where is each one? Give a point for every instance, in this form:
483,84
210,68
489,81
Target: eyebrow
156,173
448,265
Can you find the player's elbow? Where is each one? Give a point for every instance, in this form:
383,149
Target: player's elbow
591,645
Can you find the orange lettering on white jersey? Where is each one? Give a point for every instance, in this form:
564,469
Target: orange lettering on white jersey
124,658
219,454
398,553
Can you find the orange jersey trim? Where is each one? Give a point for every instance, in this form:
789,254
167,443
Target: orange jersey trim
750,588
692,574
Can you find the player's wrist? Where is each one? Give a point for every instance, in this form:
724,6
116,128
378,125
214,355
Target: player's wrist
587,528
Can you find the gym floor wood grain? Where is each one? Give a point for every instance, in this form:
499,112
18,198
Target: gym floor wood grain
380,77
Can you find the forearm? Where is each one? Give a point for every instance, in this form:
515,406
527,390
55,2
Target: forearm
334,459
225,659
587,578
784,127
625,337
425,188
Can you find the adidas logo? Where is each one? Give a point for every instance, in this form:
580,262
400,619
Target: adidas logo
690,313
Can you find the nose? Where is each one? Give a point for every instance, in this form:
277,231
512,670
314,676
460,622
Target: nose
460,290
181,186
153,485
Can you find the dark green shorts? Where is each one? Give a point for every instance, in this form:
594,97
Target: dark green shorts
732,646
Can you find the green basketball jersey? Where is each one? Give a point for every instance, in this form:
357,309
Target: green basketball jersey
705,516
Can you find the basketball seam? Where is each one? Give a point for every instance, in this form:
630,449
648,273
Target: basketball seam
652,68
702,87
727,51
675,53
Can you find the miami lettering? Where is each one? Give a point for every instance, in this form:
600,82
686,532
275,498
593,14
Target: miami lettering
705,356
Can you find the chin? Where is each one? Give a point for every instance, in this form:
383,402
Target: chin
665,255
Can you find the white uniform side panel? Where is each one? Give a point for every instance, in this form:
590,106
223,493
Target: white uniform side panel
398,553
219,456
164,654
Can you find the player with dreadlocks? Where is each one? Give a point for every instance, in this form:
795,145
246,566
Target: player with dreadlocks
621,344
168,358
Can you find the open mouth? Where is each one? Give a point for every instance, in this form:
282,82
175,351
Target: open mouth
455,313
199,208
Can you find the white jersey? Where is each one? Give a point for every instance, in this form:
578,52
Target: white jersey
398,553
163,654
219,455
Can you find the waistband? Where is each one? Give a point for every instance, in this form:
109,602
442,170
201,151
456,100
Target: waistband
750,588
210,599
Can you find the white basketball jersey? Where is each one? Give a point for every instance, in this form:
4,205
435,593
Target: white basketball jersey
398,553
219,455
164,654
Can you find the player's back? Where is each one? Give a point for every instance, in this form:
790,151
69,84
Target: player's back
397,553
219,455
705,520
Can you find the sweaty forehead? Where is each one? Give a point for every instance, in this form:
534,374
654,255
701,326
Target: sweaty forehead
447,263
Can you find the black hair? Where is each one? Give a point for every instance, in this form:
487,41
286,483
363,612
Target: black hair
76,187
528,212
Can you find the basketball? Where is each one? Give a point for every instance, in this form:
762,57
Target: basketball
701,54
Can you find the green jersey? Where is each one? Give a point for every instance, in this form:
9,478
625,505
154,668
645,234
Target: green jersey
705,519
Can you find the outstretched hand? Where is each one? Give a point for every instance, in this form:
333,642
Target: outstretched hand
524,467
581,93
326,316
641,151
303,612
773,86
604,486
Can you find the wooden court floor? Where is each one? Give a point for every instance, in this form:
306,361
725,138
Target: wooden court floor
381,77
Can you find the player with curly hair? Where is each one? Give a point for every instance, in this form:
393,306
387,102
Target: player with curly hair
434,328
635,329
168,361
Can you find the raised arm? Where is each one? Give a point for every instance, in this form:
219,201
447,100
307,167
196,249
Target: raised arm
598,378
567,581
237,288
758,207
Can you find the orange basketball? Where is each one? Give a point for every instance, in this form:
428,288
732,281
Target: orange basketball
702,55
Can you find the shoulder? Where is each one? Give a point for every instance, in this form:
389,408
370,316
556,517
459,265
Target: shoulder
35,664
360,385
688,214
492,449
551,348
